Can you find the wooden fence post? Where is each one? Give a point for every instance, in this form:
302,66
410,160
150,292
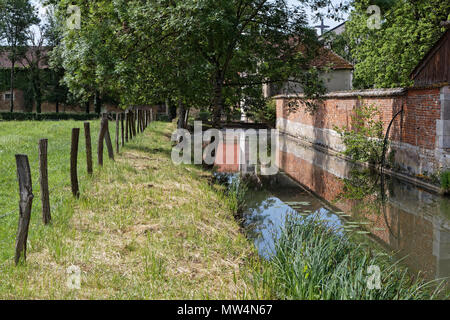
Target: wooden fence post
133,123
122,129
138,120
117,132
126,126
43,180
25,203
146,119
130,119
73,162
109,146
87,137
101,137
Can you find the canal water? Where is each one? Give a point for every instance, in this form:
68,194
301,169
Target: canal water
409,222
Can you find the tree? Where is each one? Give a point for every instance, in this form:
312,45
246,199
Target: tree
195,52
16,17
53,31
34,60
385,57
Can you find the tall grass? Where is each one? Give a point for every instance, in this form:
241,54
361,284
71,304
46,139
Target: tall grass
313,261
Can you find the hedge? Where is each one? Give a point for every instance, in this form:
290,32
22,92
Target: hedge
24,116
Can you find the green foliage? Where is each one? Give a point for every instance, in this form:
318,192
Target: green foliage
29,116
445,181
313,261
16,18
163,118
364,138
266,114
203,54
204,115
386,57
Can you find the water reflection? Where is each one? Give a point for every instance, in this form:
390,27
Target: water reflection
403,218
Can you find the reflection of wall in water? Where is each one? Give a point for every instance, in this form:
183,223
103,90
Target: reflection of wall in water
413,221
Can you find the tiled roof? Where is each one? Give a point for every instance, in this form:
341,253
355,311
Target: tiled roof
327,58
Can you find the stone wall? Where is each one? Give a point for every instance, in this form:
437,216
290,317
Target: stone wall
420,136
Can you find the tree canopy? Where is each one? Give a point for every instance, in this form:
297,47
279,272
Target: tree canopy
16,17
385,57
196,52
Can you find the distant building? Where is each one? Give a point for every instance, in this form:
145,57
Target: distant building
337,75
339,29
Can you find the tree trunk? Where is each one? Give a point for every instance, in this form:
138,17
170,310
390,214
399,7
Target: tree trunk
57,106
38,97
86,105
11,102
181,115
97,103
218,102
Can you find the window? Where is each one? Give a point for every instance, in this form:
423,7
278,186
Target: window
7,96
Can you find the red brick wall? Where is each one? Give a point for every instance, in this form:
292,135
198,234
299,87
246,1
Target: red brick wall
18,101
417,125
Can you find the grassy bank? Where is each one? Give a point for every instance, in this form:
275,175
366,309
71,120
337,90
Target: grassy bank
314,261
142,228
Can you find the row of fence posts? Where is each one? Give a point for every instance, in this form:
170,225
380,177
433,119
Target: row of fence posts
132,122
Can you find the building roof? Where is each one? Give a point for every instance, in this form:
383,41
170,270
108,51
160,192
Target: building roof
340,28
22,63
327,58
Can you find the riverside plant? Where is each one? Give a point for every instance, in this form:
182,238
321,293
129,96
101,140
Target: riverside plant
315,261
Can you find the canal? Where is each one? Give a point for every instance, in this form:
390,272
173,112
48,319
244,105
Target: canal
409,222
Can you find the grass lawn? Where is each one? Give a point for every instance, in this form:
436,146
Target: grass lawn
142,228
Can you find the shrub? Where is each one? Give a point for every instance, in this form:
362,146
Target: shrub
29,116
163,117
445,181
204,115
364,141
268,114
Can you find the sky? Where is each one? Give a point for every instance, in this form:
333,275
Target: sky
328,22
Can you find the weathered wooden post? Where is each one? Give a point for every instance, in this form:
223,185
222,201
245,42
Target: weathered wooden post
43,180
88,143
117,132
138,119
133,120
87,137
122,129
130,130
127,122
101,137
25,203
147,112
73,162
109,146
